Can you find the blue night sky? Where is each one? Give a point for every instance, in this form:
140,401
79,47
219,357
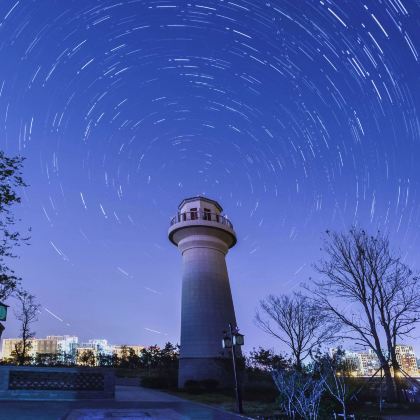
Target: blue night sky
297,116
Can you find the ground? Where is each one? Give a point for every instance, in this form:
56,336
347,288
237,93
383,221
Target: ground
133,403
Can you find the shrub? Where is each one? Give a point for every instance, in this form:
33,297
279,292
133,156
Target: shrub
193,387
210,385
260,392
199,387
158,382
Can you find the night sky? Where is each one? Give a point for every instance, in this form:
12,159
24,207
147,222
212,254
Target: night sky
297,116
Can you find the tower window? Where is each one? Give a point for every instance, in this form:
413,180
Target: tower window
194,215
207,214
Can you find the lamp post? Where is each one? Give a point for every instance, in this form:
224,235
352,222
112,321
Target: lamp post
231,339
3,316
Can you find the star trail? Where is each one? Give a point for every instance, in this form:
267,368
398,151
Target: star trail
298,116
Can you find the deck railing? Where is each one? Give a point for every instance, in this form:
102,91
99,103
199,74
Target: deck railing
201,215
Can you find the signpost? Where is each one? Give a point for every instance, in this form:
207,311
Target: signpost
3,316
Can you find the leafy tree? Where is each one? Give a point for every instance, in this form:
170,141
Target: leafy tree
27,315
10,181
266,360
296,322
169,355
150,356
123,358
105,360
133,360
371,293
47,359
87,358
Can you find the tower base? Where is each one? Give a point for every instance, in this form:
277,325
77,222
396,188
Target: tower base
200,369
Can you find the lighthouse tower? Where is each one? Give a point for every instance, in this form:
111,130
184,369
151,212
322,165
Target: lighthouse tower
203,236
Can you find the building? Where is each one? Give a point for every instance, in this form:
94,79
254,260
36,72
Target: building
88,353
369,363
66,344
407,359
203,236
9,345
52,345
87,356
67,348
119,350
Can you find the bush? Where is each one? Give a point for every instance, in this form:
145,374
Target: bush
193,387
210,385
157,382
200,387
266,393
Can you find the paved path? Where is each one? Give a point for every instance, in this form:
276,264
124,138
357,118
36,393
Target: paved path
403,417
131,403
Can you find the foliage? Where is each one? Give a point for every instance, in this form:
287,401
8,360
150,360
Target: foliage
87,358
201,387
266,360
160,382
48,359
10,181
107,360
155,357
296,322
128,359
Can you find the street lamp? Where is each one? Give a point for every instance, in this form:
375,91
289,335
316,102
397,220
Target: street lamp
3,315
232,339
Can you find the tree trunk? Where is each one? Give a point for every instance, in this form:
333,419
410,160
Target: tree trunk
391,392
344,410
398,376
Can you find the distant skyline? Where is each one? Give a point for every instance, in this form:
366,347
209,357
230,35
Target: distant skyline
296,116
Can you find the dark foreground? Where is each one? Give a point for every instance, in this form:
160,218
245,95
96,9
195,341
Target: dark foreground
133,403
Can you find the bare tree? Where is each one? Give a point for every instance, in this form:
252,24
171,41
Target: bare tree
296,322
300,394
335,372
27,315
370,292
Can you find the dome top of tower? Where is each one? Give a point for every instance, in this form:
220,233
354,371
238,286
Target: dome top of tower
200,198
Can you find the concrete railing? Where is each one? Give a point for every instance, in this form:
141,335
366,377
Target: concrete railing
31,383
201,215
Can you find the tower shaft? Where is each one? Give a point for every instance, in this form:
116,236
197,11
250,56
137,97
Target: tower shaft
204,239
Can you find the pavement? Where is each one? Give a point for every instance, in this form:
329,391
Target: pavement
131,403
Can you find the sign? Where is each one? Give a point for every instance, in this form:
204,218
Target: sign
3,312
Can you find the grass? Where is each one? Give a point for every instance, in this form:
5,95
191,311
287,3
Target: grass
252,409
255,409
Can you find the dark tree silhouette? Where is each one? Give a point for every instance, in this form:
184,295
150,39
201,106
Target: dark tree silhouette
10,182
27,315
371,293
297,323
87,358
266,360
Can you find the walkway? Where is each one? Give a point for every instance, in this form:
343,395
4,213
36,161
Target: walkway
131,403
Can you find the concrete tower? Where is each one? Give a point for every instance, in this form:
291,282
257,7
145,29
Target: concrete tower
204,237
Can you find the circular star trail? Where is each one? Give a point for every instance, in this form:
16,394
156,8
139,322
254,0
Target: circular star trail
296,116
